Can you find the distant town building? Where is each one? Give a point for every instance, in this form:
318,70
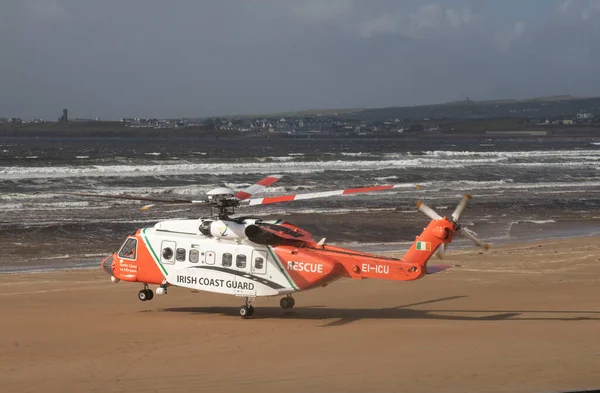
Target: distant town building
584,116
65,116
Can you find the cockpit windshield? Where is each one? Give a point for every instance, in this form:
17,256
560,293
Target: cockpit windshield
129,249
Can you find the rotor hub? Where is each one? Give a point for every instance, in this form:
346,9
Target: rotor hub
220,192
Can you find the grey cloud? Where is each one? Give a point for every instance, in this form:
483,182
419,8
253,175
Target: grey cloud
187,58
45,10
504,38
318,11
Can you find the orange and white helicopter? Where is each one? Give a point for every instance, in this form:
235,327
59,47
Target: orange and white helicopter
250,257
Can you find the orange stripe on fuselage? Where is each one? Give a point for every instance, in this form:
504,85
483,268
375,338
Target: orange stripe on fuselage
312,267
357,265
307,269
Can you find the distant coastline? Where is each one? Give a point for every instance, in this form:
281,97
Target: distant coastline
559,116
110,130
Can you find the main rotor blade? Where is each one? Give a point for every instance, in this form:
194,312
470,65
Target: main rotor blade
324,194
257,187
188,204
469,234
129,197
460,207
429,212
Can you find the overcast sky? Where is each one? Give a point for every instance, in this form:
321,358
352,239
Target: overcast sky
184,58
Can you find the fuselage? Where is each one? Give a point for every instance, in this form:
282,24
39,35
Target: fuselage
218,256
176,253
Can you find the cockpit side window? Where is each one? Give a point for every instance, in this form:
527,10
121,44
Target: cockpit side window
129,249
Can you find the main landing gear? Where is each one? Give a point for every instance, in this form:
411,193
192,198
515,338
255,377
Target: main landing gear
287,302
246,311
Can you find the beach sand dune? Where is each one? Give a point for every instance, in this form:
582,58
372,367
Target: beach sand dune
518,318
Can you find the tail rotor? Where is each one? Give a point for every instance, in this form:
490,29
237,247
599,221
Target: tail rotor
465,232
441,251
460,207
429,212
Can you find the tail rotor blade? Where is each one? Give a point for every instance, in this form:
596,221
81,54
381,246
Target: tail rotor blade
429,212
469,234
441,252
460,207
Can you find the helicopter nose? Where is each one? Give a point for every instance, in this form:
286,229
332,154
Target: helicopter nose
107,265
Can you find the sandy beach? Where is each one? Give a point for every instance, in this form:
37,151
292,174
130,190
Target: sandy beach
519,318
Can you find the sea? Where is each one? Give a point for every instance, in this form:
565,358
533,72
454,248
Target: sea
522,189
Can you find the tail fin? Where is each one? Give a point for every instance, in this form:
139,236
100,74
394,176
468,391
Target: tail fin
438,233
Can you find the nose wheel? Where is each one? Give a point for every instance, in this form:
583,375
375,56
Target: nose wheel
287,302
145,294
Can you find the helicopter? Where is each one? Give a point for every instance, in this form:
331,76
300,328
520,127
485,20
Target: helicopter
250,257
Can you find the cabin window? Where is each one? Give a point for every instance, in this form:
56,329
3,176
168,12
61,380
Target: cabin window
129,249
180,256
259,263
167,253
227,259
240,261
194,256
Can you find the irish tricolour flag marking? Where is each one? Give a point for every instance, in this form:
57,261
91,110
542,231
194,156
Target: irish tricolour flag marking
423,246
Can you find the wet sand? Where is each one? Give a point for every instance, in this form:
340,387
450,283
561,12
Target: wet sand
520,318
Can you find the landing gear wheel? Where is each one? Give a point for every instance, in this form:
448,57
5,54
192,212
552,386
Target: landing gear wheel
143,295
287,302
246,311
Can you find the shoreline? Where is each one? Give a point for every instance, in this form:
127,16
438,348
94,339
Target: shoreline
392,249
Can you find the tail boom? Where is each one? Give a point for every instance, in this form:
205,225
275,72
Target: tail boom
412,266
